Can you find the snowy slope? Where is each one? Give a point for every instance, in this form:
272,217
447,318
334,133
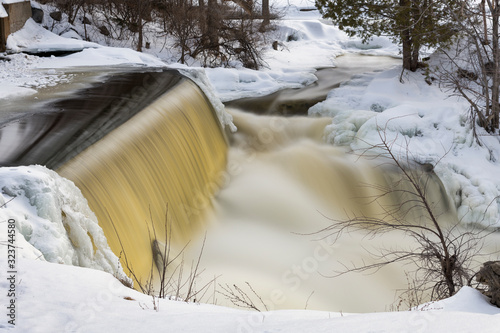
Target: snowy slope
96,302
422,119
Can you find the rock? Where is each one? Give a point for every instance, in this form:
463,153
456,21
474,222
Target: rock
56,16
86,20
37,15
104,31
465,74
489,275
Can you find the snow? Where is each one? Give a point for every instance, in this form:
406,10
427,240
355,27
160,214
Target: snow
53,219
20,78
56,231
100,56
95,301
422,119
32,38
3,13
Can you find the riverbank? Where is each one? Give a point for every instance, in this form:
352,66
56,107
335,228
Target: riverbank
297,101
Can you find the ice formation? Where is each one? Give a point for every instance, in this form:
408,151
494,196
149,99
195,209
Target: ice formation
53,220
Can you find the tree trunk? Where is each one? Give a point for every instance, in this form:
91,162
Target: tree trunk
86,37
202,16
485,25
415,52
407,49
495,107
140,38
266,15
406,35
212,24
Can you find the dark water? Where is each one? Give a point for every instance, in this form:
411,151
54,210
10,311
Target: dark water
53,132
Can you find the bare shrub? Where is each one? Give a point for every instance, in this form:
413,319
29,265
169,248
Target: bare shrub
444,252
214,32
243,299
172,282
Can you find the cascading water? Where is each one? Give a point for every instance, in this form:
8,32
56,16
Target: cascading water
285,183
277,182
168,154
255,201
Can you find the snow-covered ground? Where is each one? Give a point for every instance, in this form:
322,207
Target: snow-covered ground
55,226
423,120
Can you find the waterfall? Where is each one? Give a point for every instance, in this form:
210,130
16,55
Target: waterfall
255,194
171,153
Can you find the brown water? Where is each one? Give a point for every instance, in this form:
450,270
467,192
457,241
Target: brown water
169,154
284,183
254,199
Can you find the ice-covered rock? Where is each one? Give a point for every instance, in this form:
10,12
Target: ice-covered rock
53,219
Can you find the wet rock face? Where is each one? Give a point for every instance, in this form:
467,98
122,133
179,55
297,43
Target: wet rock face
489,275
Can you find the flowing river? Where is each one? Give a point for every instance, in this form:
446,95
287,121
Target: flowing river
164,178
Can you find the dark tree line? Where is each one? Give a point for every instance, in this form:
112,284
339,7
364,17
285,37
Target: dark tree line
412,23
465,31
215,32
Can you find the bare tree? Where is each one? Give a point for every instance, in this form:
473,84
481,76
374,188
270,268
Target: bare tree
214,32
443,252
471,67
183,21
133,14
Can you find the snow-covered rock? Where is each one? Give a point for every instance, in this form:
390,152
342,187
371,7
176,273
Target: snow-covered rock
53,220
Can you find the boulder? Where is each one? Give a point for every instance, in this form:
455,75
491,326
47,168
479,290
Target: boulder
56,16
37,15
489,275
104,31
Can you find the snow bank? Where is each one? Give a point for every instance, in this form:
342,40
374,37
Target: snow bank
232,83
3,13
53,217
83,300
104,56
33,38
432,127
20,78
466,299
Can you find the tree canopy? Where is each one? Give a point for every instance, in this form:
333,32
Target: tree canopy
413,23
